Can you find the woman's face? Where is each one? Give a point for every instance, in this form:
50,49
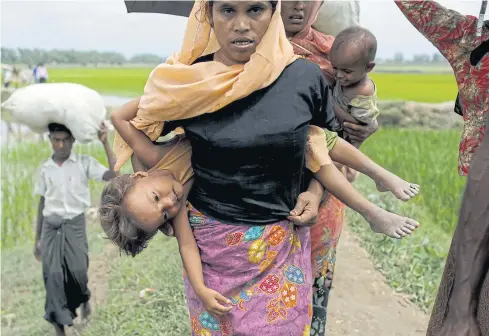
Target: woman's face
239,27
295,15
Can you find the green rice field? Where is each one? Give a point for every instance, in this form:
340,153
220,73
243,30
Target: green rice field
423,87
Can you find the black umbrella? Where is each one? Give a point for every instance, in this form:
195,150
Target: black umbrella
179,8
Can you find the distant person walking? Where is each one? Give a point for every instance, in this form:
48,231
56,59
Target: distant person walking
7,77
42,73
26,76
34,73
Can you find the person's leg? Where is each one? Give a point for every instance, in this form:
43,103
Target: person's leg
60,329
76,263
324,239
380,220
350,156
86,310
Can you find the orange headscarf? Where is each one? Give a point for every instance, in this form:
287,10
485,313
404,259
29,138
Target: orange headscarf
313,45
180,89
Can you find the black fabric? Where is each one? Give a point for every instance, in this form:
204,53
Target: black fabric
248,158
458,106
478,53
475,57
64,250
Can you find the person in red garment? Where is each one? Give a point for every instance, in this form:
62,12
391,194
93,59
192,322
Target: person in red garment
462,303
298,17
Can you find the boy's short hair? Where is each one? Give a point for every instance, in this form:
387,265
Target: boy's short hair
54,127
360,38
118,223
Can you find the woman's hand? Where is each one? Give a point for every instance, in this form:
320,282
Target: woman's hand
214,302
359,133
306,210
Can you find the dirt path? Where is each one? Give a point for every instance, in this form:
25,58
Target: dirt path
362,303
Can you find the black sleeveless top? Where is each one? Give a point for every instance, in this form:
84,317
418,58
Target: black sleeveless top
248,157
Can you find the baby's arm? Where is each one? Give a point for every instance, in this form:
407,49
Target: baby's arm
189,252
148,153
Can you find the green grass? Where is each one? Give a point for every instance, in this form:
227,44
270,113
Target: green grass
120,81
391,86
429,158
19,204
23,290
429,88
161,313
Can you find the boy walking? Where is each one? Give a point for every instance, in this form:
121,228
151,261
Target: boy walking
61,241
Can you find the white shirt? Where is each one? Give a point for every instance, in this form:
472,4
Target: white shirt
65,188
42,72
7,76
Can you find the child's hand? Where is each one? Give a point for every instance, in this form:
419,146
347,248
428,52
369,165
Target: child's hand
213,302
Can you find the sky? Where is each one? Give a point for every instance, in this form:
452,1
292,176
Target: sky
105,26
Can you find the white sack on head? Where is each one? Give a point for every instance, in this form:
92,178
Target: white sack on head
77,107
335,16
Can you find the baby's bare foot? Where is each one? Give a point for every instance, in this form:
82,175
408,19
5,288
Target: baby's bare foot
397,186
390,224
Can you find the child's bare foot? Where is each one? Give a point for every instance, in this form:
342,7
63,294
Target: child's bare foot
390,224
397,186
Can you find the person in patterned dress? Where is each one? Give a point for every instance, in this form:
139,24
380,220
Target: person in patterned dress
298,17
462,304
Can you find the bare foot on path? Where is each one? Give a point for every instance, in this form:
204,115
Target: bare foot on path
362,304
392,225
401,189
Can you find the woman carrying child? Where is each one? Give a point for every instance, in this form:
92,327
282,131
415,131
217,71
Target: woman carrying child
253,274
298,18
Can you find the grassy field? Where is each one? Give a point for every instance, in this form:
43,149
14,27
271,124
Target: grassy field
429,158
19,172
424,87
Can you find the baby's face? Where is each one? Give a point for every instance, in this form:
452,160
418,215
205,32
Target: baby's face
348,69
154,199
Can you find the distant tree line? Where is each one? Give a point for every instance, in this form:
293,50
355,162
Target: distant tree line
58,56
399,58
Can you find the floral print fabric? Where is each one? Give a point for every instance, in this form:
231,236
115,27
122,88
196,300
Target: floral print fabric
264,270
455,37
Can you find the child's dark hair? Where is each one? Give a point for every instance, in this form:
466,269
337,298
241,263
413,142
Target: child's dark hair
360,38
118,223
